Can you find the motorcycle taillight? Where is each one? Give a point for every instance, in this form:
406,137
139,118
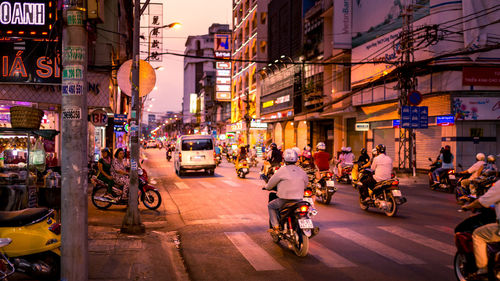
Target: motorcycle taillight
451,171
55,228
395,183
307,193
329,175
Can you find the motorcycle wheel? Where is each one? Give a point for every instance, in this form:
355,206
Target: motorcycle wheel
100,192
363,206
151,199
460,266
394,209
451,188
300,243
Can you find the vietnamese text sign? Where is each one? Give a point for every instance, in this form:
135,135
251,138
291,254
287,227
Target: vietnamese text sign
477,108
447,120
481,76
362,127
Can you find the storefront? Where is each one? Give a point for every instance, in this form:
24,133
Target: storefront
237,133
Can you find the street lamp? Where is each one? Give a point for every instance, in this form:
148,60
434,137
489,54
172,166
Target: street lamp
174,25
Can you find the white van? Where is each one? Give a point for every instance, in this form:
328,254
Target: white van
194,152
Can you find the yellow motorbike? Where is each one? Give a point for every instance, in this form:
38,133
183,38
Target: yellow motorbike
242,168
35,247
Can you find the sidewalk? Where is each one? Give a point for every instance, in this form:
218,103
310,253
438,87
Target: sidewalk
408,179
116,256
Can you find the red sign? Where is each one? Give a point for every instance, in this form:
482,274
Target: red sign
99,117
481,76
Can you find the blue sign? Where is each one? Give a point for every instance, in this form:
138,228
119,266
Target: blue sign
396,123
415,98
120,119
415,117
447,120
406,117
424,117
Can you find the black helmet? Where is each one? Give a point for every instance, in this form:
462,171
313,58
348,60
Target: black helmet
380,148
363,150
273,145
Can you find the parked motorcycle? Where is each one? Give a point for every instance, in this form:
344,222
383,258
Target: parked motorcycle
34,243
169,155
324,187
148,194
447,179
385,195
242,168
296,226
464,263
6,267
346,175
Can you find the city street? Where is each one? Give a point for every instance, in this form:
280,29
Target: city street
222,222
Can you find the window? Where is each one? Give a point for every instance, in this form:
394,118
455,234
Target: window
197,144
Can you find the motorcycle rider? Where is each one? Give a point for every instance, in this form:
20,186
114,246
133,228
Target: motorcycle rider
170,149
321,157
446,158
382,167
290,181
274,158
363,157
485,234
475,171
104,171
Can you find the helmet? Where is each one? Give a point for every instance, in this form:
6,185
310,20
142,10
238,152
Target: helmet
307,148
374,152
273,145
491,158
363,150
342,149
348,149
297,150
321,146
290,156
380,148
480,157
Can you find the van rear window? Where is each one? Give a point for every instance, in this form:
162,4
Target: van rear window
197,144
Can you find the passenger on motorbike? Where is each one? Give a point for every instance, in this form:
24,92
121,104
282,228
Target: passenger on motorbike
119,172
446,158
217,150
274,158
382,170
363,157
475,171
104,174
322,158
485,234
290,181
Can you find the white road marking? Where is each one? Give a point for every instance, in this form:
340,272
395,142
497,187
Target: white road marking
255,255
207,184
420,239
377,247
231,183
328,257
441,228
182,185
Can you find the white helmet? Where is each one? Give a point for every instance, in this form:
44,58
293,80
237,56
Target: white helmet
342,149
374,152
348,149
290,156
480,157
321,146
491,158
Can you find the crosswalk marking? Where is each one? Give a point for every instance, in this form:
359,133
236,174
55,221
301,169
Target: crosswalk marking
207,184
231,183
377,247
255,255
441,228
182,185
328,257
420,239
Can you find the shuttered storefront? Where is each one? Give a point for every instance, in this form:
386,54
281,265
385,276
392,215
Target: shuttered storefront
386,137
428,145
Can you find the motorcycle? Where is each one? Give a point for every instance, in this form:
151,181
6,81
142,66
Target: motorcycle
385,195
295,224
169,155
463,194
270,172
324,187
218,159
252,160
346,175
34,243
447,179
148,194
6,267
464,263
242,168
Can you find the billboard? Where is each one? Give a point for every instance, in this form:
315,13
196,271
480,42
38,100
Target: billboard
222,50
342,24
33,19
222,45
476,108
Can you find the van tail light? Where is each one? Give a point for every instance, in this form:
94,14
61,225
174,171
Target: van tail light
180,157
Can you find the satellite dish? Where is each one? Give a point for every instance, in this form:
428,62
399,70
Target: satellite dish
147,78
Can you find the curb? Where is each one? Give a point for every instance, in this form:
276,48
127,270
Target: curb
171,244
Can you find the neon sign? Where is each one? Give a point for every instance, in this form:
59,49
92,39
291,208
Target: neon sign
33,19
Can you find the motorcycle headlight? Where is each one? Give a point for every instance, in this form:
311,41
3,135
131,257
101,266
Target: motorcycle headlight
139,172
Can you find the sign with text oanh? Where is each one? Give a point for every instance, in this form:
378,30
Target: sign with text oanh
27,19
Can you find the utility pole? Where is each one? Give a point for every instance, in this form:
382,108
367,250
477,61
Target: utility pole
407,84
132,221
74,241
247,116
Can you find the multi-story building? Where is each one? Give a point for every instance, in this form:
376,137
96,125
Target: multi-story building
201,46
249,47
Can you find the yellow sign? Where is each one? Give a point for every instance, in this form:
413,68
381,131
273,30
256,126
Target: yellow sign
268,104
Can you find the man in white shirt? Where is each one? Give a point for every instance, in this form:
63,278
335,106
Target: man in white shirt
487,233
475,171
382,167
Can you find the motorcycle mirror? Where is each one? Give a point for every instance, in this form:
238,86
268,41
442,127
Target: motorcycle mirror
142,161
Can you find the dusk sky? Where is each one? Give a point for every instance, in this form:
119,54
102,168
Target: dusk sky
195,16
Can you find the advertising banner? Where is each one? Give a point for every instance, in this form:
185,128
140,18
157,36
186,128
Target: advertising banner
342,24
481,76
476,108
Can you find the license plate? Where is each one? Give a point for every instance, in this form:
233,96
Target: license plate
396,192
244,170
305,223
350,177
330,183
309,200
198,158
452,177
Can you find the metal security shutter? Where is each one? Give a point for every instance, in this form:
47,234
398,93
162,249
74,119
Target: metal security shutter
386,137
428,145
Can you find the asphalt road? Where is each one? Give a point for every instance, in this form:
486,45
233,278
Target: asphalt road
222,221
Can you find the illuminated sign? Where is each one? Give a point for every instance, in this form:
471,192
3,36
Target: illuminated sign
223,81
362,127
283,99
223,88
193,103
268,103
27,19
444,121
223,96
30,62
222,55
223,65
225,73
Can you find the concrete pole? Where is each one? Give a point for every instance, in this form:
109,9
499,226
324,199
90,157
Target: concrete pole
132,221
74,241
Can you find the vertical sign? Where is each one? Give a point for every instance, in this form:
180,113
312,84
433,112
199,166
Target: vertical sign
222,50
152,38
342,24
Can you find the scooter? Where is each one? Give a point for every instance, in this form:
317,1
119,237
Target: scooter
218,159
324,187
35,247
346,175
169,155
242,168
447,179
463,194
6,267
148,194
